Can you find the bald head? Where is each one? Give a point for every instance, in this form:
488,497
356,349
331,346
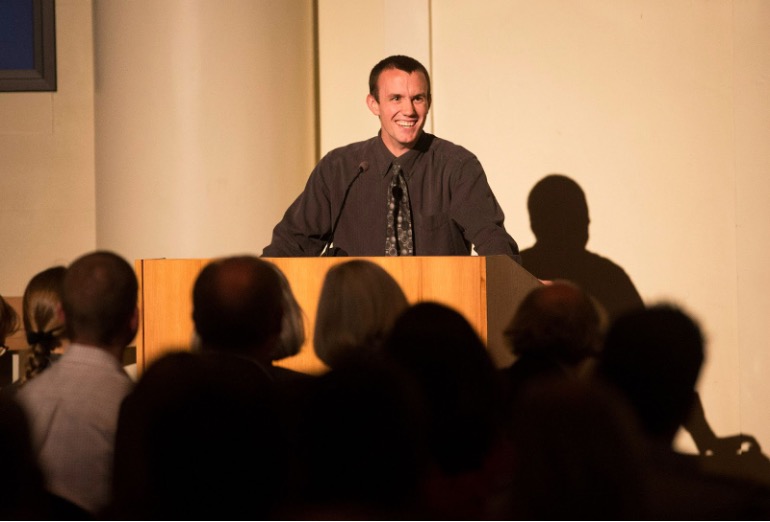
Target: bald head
99,295
560,319
237,304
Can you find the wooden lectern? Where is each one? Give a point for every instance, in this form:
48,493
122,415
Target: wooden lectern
486,290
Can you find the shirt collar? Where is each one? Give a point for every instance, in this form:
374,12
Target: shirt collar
385,158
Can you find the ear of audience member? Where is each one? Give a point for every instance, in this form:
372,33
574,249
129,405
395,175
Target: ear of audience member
43,318
653,357
357,446
556,331
578,454
439,348
73,406
358,304
200,437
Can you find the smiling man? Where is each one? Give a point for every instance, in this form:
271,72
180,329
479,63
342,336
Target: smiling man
403,192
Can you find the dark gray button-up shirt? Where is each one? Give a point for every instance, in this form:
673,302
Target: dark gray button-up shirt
452,204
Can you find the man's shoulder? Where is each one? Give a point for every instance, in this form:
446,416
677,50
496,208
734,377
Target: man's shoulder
444,148
358,148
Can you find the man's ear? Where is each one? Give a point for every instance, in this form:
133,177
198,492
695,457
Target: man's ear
373,104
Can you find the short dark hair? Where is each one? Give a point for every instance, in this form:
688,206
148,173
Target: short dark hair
400,62
237,303
99,296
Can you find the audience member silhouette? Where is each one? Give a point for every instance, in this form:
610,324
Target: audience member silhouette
578,454
237,307
9,321
358,304
556,331
22,495
358,446
9,325
200,437
558,214
73,406
654,357
442,352
43,319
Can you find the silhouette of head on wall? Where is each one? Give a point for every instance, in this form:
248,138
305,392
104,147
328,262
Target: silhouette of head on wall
558,212
559,219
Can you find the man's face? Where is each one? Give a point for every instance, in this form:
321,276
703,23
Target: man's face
402,108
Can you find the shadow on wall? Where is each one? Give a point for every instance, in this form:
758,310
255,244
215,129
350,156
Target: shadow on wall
558,214
559,218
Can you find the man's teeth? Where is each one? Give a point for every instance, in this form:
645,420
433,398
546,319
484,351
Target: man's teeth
406,123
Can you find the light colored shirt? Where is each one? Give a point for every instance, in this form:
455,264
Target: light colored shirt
73,409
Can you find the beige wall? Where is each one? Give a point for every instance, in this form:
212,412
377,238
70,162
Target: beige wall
752,187
47,160
180,128
353,37
658,110
205,123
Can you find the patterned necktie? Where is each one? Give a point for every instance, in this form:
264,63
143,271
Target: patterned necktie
398,238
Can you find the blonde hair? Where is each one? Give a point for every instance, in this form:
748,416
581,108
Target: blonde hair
43,321
292,335
358,305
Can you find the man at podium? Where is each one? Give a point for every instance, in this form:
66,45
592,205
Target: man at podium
403,192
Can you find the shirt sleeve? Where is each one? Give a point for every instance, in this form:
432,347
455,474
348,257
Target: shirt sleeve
475,210
306,225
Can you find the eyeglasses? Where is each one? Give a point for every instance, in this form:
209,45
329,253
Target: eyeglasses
3,348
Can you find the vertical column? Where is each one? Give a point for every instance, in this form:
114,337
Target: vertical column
205,123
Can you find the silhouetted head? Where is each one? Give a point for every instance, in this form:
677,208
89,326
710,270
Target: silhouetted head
441,350
654,357
577,454
9,320
238,306
200,437
99,296
357,450
558,212
559,321
358,304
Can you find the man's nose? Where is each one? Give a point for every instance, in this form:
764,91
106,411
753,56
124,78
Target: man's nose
407,107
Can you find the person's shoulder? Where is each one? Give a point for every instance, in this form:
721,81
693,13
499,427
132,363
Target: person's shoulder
345,159
449,150
355,149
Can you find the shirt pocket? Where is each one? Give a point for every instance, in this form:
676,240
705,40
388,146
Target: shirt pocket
432,222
